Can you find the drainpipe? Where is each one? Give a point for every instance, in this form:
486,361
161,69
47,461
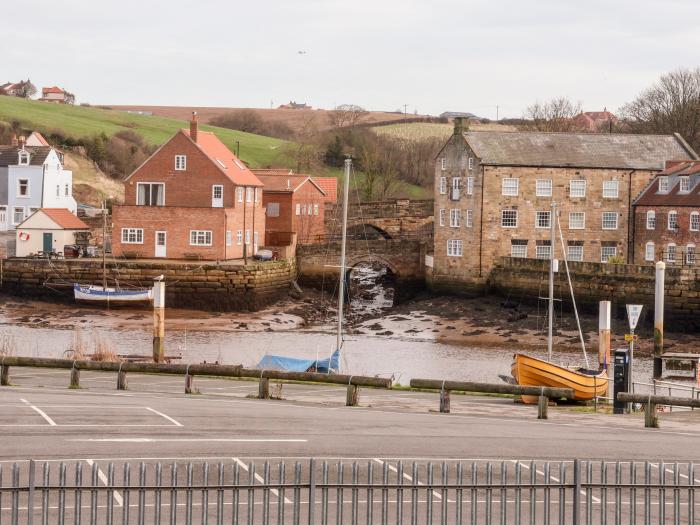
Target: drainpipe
245,251
481,218
630,221
252,235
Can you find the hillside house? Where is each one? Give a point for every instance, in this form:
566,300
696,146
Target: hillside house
329,185
294,204
494,190
667,216
595,121
294,105
49,230
32,177
14,89
193,198
53,94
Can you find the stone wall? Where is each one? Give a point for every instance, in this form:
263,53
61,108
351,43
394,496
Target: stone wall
526,280
397,218
209,286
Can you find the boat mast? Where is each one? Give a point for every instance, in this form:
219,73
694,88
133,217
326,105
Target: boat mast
341,281
552,222
104,244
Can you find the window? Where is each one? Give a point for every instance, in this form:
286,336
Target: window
518,248
66,190
543,219
255,193
239,193
574,251
180,162
469,222
610,220
543,250
509,187
239,237
607,251
229,237
310,209
456,183
132,235
442,217
684,184
543,187
454,248
610,189
247,236
249,194
577,220
577,188
273,209
649,252
673,220
454,218
298,209
671,253
443,185
23,187
315,209
150,194
690,254
58,190
200,237
32,209
471,163
23,158
443,163
651,220
663,184
218,191
255,239
303,208
470,185
694,221
17,214
509,218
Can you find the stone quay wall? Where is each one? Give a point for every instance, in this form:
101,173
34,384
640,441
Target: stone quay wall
201,286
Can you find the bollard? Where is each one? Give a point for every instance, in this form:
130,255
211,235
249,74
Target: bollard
5,375
189,380
444,401
74,378
651,420
158,321
264,388
604,340
659,319
352,396
542,404
121,380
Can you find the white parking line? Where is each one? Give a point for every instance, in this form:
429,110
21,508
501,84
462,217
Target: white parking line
105,482
173,421
555,479
406,476
40,412
260,479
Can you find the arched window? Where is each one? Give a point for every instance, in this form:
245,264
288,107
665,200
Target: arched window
671,253
690,254
649,254
673,220
651,220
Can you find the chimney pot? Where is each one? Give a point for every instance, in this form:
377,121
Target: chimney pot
15,142
22,141
193,126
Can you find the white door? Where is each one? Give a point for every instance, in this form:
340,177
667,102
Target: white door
161,238
217,196
3,218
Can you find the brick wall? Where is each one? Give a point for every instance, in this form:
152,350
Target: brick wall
662,236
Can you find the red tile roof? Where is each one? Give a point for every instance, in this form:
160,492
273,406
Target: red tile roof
226,161
274,171
288,184
65,219
330,186
53,89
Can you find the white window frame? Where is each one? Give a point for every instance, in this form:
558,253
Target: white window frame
540,220
309,209
605,256
28,195
66,192
611,189
513,216
247,237
649,251
651,220
15,209
248,194
201,238
570,252
690,254
456,187
255,194
441,216
683,184
580,188
672,225
239,193
471,163
518,250
443,185
455,217
443,164
129,233
273,209
58,190
229,238
671,253
470,185
469,220
663,184
239,237
315,208
454,247
510,186
139,184
694,222
297,208
574,224
180,162
603,219
543,188
543,251
23,158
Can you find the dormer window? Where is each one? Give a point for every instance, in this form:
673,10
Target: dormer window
663,184
684,184
23,157
180,162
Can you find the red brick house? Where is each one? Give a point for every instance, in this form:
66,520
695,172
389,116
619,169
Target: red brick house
595,121
191,199
667,216
294,203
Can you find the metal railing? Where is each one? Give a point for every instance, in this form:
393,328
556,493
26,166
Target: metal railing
368,491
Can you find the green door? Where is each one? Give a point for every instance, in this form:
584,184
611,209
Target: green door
48,242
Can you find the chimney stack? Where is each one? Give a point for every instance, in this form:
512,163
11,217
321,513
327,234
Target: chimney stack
22,141
193,126
460,127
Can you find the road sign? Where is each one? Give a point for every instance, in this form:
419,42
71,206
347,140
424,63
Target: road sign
633,313
630,337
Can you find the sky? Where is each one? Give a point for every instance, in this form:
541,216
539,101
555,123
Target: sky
433,56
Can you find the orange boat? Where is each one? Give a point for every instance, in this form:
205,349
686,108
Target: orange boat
530,371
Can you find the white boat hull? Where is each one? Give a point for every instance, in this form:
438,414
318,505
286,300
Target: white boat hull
111,295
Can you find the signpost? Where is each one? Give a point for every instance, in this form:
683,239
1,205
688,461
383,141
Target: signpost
633,313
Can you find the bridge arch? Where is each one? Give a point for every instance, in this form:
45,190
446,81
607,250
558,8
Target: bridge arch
367,230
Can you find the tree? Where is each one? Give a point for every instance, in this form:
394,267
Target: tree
334,153
69,97
672,105
26,89
346,115
556,114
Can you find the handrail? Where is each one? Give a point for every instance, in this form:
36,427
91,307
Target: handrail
627,397
494,388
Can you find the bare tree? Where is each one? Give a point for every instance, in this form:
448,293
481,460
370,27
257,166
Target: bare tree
556,114
69,97
379,159
26,89
672,105
346,115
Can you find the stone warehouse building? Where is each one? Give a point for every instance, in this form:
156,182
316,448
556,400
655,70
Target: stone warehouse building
667,216
494,191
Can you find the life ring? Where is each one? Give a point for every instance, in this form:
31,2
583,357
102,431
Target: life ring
23,236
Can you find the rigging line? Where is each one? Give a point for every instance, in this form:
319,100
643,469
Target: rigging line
573,299
362,217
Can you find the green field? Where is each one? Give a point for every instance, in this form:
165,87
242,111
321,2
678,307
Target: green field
77,122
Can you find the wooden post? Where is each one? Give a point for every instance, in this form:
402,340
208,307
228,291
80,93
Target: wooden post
264,388
158,321
74,378
542,405
651,420
659,318
5,375
121,380
189,380
352,396
444,401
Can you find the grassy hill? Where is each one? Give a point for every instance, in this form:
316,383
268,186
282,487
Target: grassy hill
76,121
417,131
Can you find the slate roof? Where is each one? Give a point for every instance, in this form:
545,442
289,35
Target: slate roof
579,150
674,197
9,155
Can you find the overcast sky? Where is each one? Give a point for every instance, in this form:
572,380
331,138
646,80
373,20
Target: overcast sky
438,55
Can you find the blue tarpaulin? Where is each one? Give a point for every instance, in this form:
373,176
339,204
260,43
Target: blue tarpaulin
293,364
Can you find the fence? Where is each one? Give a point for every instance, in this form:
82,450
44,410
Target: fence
381,491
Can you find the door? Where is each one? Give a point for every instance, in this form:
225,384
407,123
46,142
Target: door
161,238
48,242
217,196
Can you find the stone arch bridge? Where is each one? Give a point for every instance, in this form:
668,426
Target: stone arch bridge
395,219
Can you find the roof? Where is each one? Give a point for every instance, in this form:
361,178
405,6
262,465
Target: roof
673,197
9,155
274,171
224,159
581,150
52,89
62,217
288,184
38,137
330,187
